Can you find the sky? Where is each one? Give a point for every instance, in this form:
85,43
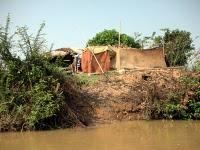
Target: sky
71,23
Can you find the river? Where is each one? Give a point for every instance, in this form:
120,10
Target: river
133,135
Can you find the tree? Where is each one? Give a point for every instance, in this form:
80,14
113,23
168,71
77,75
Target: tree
177,45
111,37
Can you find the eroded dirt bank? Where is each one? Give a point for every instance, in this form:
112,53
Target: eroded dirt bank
126,96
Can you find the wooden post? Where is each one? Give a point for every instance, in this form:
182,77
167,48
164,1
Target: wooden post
97,62
118,59
119,40
118,63
163,48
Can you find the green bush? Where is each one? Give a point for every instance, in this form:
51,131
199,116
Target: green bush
184,104
45,103
29,85
196,66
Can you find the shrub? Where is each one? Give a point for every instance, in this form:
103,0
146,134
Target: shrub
184,104
196,66
29,85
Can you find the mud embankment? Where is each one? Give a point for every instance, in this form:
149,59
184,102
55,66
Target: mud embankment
127,96
112,97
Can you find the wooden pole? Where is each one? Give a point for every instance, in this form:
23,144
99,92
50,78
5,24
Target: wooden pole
118,63
163,47
119,40
97,62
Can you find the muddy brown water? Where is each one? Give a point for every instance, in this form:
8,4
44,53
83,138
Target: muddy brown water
134,135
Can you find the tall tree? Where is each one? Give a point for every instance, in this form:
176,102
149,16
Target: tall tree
111,37
177,45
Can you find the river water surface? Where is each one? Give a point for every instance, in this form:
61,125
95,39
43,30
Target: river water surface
135,135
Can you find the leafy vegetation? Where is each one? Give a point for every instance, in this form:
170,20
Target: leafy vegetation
84,79
196,66
145,42
183,104
177,44
111,37
31,88
195,60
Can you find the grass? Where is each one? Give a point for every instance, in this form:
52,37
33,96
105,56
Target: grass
85,79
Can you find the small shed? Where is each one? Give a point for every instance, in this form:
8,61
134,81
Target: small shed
97,59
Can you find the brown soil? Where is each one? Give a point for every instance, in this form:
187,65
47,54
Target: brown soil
124,96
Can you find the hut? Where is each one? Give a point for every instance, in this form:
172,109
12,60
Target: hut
97,59
104,58
63,56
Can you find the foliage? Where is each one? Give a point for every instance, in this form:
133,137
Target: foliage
196,66
145,42
182,105
59,61
195,60
111,37
177,44
85,79
29,91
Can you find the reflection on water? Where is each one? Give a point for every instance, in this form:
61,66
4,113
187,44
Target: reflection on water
138,135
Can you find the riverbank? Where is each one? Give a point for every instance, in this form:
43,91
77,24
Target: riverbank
168,93
129,95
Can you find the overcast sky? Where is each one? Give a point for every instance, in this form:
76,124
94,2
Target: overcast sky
70,23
